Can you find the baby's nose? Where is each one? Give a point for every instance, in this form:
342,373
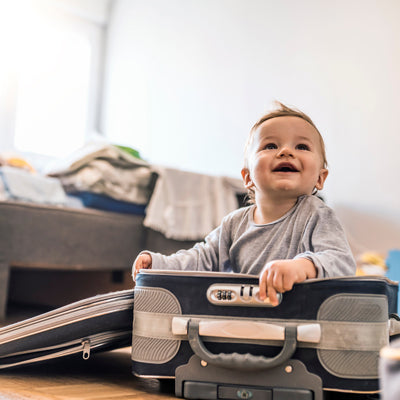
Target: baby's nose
285,152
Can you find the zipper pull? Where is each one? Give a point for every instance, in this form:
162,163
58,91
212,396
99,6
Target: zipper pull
86,349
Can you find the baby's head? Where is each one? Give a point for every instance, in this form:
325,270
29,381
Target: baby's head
254,137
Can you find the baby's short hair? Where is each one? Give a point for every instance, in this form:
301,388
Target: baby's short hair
280,110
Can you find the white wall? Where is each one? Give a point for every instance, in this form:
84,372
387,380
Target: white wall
186,79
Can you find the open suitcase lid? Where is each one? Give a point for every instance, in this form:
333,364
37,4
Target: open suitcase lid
93,324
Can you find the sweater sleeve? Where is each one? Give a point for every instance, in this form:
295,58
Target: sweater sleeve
203,256
325,244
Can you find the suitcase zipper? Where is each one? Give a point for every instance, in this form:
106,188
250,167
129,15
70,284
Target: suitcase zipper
69,348
86,349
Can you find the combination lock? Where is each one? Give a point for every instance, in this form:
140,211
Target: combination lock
237,295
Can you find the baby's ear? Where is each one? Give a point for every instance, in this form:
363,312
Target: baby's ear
323,174
248,183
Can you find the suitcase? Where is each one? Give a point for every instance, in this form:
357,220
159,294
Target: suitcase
212,333
98,323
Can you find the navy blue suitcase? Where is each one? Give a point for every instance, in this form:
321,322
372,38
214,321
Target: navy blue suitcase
217,339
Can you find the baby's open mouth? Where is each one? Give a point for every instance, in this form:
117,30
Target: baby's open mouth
285,167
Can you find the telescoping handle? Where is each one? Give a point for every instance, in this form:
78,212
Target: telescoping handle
247,361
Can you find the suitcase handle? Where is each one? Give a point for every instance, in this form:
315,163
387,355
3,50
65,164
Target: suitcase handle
247,361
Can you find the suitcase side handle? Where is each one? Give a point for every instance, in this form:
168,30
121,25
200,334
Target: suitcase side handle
247,329
247,361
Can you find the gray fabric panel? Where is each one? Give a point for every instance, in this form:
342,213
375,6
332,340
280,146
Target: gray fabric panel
156,351
144,347
66,236
357,308
156,300
354,308
350,364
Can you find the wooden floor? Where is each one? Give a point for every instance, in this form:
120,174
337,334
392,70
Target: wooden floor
103,376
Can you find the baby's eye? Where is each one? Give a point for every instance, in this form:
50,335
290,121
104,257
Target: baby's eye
270,146
302,146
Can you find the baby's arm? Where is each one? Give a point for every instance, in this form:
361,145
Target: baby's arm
203,256
281,275
143,261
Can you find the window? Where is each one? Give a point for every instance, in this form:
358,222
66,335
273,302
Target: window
53,93
54,57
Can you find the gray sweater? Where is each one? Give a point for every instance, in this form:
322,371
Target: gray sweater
309,230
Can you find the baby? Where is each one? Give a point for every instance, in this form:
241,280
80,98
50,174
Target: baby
287,234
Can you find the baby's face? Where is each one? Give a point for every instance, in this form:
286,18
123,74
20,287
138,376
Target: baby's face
285,158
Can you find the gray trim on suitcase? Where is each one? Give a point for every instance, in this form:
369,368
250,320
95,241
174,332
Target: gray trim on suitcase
342,336
358,360
159,348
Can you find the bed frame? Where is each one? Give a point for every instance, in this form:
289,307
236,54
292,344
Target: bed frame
37,238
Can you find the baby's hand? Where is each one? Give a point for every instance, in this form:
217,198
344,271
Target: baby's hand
143,261
281,275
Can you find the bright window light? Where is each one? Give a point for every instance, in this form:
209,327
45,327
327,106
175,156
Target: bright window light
53,90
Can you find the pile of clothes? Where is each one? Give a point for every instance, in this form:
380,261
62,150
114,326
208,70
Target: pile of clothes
19,181
106,176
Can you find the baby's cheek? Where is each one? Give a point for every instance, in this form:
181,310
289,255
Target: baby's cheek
260,166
